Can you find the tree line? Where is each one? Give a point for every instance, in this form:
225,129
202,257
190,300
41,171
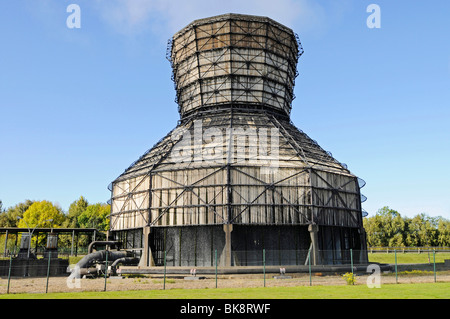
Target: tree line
387,228
45,214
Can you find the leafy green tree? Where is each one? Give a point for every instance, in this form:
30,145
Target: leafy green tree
385,229
443,232
397,240
95,216
374,231
2,212
75,210
389,228
422,230
9,217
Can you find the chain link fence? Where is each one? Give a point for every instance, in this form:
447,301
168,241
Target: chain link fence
264,268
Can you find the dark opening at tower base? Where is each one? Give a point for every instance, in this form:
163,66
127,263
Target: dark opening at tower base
253,245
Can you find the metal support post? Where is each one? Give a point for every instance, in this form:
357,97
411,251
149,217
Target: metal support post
215,257
351,259
264,265
48,270
165,255
73,238
9,272
6,242
106,269
396,274
434,264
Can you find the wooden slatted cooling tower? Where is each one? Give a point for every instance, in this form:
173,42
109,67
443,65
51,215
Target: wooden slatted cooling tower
235,175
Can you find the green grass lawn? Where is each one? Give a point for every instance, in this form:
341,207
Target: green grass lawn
387,291
385,258
407,258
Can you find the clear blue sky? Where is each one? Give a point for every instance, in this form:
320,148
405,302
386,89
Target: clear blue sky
78,106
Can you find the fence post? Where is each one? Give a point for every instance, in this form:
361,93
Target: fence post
264,265
9,272
106,270
434,264
351,259
395,256
73,238
215,257
48,270
165,253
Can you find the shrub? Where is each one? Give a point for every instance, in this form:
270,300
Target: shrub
349,278
415,272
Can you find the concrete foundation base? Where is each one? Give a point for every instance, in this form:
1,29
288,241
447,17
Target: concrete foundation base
248,269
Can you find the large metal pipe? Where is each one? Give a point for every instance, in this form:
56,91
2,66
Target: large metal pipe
125,261
100,256
107,243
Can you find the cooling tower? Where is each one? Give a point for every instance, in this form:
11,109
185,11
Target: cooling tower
235,176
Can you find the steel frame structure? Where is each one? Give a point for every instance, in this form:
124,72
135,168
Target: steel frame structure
234,76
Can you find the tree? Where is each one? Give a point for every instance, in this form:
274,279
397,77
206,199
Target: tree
75,210
423,230
95,216
42,214
2,212
38,214
443,232
386,228
9,218
373,228
396,240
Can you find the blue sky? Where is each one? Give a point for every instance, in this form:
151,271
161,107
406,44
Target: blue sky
78,106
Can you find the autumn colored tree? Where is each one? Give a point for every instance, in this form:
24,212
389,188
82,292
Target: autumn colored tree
42,214
39,214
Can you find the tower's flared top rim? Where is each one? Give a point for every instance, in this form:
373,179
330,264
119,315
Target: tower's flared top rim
233,16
